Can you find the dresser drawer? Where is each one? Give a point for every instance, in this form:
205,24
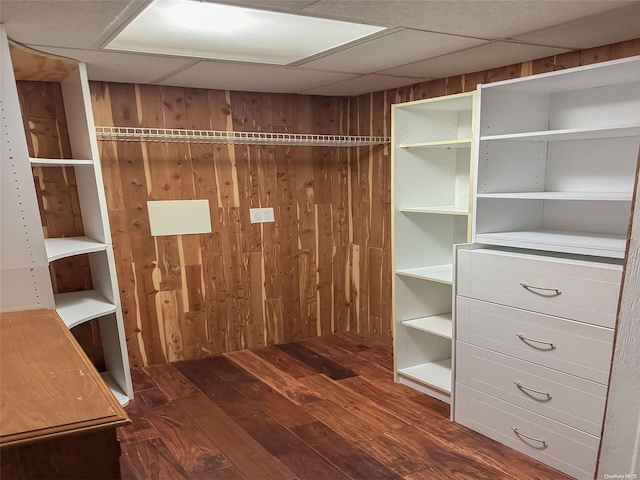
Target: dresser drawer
555,444
572,347
562,397
574,289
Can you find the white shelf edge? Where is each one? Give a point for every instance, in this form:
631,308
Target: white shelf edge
436,375
580,243
437,273
569,196
457,143
115,389
438,209
64,247
569,134
57,162
440,325
75,308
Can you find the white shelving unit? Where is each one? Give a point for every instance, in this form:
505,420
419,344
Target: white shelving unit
556,159
103,302
431,177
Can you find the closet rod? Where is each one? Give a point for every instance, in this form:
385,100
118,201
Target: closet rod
164,135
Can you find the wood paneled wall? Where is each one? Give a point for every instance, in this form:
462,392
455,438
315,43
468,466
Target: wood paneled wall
324,266
244,285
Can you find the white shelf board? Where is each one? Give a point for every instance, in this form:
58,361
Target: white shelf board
58,162
434,374
459,102
457,143
569,134
582,243
438,209
115,389
58,248
76,308
437,273
587,196
440,325
577,78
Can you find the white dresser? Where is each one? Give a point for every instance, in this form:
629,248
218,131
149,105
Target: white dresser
534,337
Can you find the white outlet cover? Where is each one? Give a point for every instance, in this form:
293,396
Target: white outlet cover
261,215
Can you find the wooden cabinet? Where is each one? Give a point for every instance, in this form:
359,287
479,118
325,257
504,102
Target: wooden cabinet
532,365
102,302
431,195
556,159
57,417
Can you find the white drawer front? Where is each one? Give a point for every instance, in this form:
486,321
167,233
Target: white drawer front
568,399
589,291
566,449
579,349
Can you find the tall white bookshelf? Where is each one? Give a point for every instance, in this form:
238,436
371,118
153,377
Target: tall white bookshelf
556,159
103,301
432,143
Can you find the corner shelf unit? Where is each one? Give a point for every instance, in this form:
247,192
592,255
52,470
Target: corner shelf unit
556,159
103,302
432,144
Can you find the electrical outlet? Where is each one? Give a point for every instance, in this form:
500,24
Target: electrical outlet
268,215
261,215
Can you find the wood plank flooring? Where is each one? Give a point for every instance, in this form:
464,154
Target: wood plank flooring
325,408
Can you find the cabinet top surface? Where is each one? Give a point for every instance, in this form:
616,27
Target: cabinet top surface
457,102
48,386
626,70
548,257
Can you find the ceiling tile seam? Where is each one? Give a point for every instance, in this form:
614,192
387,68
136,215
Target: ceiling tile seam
560,25
130,13
347,46
471,37
176,71
380,72
356,74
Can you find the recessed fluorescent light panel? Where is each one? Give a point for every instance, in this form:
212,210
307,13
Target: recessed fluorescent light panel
192,28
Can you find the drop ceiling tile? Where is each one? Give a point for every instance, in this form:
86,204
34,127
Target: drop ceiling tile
252,78
121,67
493,55
489,19
603,29
69,23
392,50
363,84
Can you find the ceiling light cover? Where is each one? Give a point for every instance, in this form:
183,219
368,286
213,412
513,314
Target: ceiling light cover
198,29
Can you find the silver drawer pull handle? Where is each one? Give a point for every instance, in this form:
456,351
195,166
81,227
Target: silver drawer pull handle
524,387
520,434
531,288
525,339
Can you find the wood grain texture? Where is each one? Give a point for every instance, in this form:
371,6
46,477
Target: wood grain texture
361,427
29,64
47,385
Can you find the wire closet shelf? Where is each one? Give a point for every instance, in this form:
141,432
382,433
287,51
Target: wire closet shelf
164,135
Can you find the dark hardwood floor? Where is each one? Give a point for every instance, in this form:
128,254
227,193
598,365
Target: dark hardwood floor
318,409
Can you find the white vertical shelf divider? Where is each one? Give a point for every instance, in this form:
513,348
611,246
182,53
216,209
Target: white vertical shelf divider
24,273
432,145
103,302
